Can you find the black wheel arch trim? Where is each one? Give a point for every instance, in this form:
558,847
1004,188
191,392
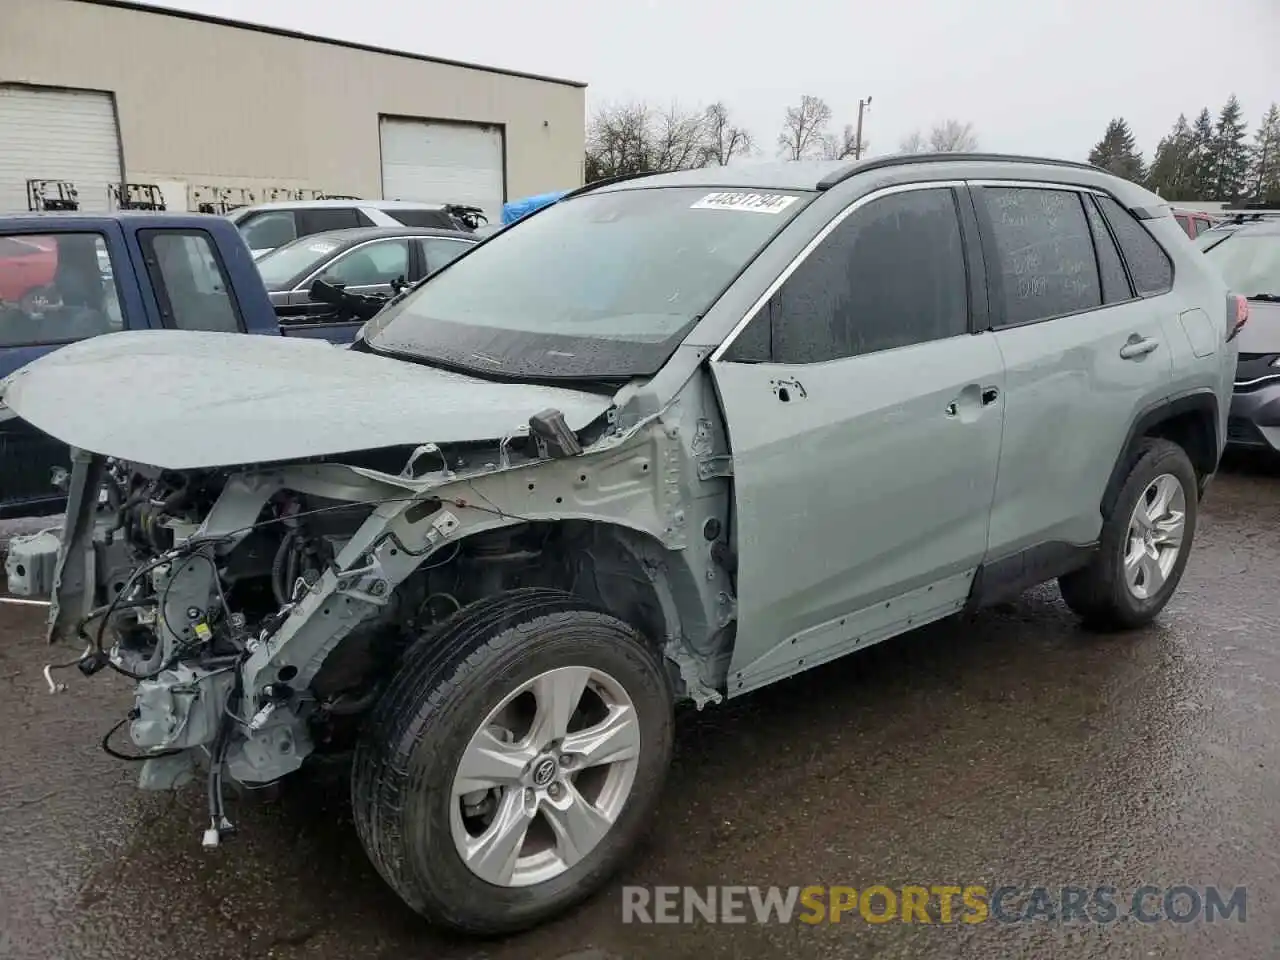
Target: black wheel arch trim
1198,401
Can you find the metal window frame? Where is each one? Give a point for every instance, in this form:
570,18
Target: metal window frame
717,355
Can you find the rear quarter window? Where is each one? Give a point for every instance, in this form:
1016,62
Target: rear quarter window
1149,266
324,219
436,219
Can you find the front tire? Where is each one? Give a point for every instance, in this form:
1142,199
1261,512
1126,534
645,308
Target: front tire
514,761
1144,546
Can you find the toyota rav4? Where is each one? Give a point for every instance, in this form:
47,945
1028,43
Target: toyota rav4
671,438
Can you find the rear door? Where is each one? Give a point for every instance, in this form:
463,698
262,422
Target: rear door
1085,352
864,422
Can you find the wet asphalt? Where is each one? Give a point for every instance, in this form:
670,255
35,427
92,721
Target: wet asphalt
1013,748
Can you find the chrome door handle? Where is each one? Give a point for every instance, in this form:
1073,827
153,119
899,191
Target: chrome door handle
1138,347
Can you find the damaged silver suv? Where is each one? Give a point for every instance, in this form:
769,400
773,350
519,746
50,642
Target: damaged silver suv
672,438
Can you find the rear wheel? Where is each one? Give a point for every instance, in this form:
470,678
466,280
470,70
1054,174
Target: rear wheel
514,761
1145,543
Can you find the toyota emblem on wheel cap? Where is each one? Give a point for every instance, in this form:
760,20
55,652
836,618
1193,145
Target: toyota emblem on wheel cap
544,772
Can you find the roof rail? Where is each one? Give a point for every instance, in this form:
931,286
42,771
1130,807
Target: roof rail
906,159
1249,216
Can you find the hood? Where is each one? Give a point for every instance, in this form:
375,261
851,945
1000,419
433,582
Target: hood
184,400
1262,333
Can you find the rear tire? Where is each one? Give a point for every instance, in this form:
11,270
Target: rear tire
1133,575
463,694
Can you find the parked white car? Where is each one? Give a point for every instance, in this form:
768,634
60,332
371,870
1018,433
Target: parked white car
270,225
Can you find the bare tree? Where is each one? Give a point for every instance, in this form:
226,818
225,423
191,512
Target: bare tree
845,144
952,136
618,141
678,140
804,128
914,142
634,138
724,141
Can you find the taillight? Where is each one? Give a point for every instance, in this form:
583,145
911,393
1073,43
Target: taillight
1238,312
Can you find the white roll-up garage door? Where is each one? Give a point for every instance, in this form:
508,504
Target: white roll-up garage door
437,162
67,135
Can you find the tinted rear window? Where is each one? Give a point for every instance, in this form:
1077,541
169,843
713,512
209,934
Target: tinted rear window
435,219
1149,265
1249,262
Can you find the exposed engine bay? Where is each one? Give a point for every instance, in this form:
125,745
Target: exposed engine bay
260,612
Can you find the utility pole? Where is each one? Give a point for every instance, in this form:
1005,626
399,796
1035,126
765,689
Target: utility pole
857,147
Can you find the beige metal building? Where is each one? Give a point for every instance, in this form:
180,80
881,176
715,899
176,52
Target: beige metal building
112,100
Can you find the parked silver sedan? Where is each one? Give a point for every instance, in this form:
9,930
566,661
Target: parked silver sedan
366,260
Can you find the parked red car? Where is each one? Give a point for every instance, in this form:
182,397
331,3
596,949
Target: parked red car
1194,222
27,266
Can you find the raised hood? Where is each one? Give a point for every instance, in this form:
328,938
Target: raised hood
183,400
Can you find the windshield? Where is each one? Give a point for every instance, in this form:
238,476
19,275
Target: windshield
1249,262
296,260
598,286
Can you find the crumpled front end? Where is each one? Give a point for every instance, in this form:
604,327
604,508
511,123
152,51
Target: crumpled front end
261,610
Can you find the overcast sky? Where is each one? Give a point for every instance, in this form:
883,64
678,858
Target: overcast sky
1033,76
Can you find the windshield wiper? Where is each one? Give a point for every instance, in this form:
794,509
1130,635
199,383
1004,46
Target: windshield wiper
1264,297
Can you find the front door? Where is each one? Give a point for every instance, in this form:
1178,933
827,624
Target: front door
865,424
57,286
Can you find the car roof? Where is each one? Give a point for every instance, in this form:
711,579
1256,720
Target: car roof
818,175
341,204
354,235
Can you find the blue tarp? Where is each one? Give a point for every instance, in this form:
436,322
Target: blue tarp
515,209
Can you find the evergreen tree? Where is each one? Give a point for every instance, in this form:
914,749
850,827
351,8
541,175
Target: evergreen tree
1264,182
1201,178
1173,168
1117,153
1228,155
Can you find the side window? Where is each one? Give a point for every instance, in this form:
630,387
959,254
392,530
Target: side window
55,288
1149,265
1044,252
1115,284
1201,225
436,219
191,285
438,251
890,275
324,219
1186,223
371,264
266,231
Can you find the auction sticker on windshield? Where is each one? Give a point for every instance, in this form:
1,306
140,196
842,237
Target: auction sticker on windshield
753,202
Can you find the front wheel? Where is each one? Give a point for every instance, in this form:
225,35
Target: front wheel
514,761
1145,543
